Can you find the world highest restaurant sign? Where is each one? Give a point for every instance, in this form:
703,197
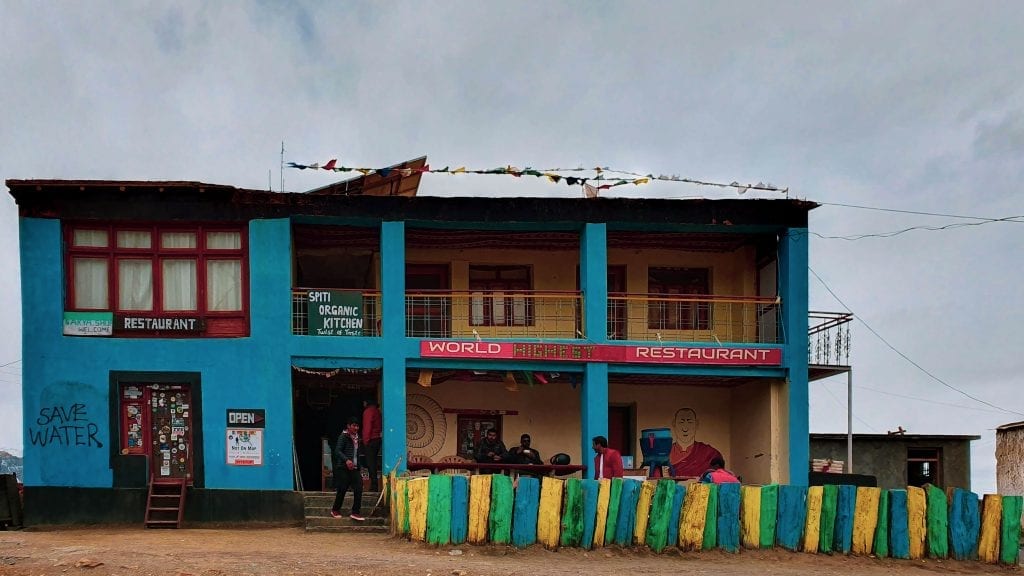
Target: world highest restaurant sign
623,354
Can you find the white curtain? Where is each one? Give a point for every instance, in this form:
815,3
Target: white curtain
91,283
91,238
134,239
497,309
223,285
135,284
476,308
179,279
223,241
178,240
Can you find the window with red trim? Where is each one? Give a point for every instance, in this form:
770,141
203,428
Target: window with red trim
161,271
498,295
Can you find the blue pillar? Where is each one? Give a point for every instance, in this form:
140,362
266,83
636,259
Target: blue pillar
594,282
392,272
593,411
594,285
793,254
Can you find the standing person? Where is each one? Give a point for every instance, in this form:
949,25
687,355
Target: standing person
717,474
689,458
372,428
490,450
346,470
524,454
608,461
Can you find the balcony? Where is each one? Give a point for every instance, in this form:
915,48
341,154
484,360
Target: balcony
828,344
507,314
694,318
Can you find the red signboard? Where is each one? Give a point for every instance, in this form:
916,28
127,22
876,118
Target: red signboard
616,354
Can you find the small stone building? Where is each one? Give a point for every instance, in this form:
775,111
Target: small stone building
899,460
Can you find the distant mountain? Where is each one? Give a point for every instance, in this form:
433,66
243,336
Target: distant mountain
9,463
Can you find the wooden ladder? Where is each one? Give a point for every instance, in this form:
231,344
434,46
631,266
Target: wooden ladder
165,506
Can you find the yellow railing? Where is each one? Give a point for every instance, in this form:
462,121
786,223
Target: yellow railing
493,314
693,318
371,310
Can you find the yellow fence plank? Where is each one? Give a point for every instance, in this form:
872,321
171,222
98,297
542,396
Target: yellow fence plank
917,525
991,518
418,491
604,489
812,527
750,516
865,519
549,516
643,512
693,517
479,507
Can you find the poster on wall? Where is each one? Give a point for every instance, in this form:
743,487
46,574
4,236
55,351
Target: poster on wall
335,313
244,447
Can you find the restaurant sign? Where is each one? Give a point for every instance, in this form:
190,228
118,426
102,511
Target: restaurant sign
178,324
615,354
334,312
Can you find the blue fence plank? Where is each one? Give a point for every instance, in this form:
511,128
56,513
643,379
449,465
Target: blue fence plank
627,512
524,514
460,509
846,503
729,517
792,516
899,528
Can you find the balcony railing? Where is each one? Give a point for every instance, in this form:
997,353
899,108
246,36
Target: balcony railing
493,314
828,342
371,310
694,318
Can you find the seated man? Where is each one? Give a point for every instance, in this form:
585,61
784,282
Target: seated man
524,454
491,450
717,474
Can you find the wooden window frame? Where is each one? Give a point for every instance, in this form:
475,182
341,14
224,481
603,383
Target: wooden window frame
511,290
157,254
664,315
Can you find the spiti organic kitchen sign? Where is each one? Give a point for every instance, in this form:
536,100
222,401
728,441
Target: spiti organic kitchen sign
334,313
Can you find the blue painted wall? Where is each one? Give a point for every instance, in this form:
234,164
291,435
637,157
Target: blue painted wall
72,374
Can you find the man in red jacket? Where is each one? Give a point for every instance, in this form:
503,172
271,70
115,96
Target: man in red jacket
608,461
372,428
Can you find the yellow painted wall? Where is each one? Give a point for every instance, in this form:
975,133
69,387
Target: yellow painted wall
732,274
549,413
752,433
737,421
656,406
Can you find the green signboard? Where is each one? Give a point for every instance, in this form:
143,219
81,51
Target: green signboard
335,313
88,323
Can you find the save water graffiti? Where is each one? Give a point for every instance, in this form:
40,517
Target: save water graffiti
66,425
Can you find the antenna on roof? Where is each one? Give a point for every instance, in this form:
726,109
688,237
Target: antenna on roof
281,189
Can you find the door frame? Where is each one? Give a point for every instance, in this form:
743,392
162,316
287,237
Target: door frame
125,475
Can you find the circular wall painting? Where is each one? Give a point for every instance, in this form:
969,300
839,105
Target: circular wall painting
425,425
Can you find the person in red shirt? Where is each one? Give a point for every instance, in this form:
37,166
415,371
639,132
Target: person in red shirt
717,474
608,461
372,427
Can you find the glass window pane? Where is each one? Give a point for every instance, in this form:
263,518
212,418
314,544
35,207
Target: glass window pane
223,240
90,238
90,284
224,285
134,284
179,285
134,239
178,239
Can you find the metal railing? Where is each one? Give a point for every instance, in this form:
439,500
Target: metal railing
371,311
493,314
828,338
694,318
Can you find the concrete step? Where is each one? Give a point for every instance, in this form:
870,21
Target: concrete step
346,524
317,510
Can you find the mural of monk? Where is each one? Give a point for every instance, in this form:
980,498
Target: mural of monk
689,457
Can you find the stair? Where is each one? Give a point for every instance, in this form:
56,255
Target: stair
165,506
317,507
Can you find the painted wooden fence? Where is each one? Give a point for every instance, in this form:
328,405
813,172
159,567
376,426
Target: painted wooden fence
658,514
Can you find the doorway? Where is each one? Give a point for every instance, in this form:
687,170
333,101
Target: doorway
621,428
322,402
156,422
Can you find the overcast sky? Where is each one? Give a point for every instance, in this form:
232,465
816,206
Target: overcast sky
915,106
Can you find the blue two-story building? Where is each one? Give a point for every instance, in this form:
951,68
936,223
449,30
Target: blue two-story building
221,336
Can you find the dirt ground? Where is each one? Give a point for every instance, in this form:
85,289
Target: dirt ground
283,551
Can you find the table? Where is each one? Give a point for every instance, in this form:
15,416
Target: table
515,469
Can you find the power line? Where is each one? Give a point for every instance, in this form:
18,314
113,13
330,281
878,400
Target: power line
929,228
917,212
904,356
11,362
887,393
843,405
